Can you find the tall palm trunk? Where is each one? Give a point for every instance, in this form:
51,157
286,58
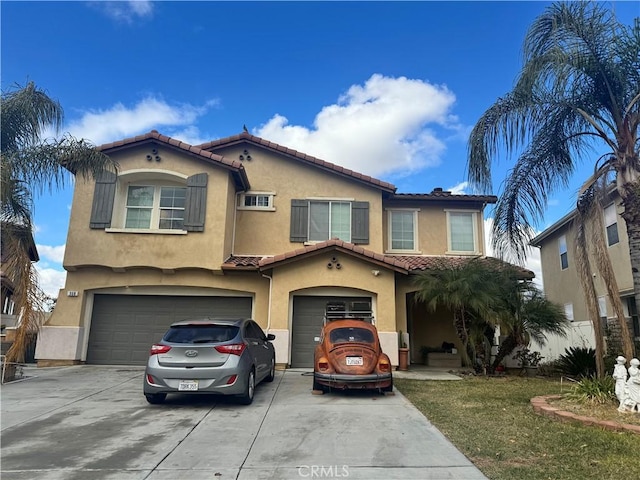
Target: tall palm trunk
507,346
586,279
630,194
460,325
603,261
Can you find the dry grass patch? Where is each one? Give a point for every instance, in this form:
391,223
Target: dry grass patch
608,411
492,422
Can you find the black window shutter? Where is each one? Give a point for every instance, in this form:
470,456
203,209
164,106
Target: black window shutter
196,202
360,222
299,220
104,194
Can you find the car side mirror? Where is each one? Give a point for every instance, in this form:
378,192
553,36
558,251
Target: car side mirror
271,336
316,339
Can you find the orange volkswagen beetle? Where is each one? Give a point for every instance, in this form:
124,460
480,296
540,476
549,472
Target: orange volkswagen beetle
349,356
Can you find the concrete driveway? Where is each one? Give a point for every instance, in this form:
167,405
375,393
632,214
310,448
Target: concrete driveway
92,422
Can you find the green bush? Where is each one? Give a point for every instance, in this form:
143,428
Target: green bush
578,362
594,390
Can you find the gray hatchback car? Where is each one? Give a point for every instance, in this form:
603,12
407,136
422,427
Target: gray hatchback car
209,355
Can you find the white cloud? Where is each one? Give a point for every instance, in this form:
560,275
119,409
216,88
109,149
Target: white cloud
388,125
119,121
459,189
126,12
532,262
54,254
51,280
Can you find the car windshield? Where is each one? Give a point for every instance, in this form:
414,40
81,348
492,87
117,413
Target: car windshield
351,334
200,333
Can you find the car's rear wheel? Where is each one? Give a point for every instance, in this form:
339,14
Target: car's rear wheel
318,386
249,389
155,398
389,388
272,371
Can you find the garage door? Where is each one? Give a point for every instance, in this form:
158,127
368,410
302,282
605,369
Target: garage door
123,327
308,314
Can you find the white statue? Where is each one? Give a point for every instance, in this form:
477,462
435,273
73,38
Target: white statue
631,400
620,376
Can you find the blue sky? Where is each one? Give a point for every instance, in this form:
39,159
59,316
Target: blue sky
390,89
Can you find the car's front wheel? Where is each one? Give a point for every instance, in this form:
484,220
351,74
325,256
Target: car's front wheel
155,398
249,389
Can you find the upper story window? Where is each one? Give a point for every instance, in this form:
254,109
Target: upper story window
403,230
256,201
329,220
611,224
317,220
145,201
155,207
562,246
463,236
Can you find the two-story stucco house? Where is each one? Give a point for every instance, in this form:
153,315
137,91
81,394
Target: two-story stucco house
244,227
562,282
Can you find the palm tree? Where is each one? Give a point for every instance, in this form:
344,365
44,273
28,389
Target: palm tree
30,165
468,291
579,88
528,315
483,295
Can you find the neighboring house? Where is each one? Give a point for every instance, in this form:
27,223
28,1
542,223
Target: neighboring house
244,227
9,315
562,282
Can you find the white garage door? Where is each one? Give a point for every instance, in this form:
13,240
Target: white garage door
123,327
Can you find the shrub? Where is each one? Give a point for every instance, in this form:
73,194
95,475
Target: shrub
578,362
550,369
594,390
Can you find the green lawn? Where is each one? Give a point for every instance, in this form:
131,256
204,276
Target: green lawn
491,421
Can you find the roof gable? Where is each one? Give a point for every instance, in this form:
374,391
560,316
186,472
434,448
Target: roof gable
245,137
234,167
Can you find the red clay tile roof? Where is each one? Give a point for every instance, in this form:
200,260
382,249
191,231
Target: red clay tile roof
401,263
247,137
420,263
235,166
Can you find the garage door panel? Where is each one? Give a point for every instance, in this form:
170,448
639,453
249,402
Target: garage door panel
308,316
123,327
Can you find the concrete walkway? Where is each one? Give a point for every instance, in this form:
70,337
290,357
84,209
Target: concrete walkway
92,422
420,372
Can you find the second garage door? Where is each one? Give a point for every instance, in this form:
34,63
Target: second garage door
308,316
123,327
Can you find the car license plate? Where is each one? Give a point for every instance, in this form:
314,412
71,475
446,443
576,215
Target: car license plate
188,385
354,360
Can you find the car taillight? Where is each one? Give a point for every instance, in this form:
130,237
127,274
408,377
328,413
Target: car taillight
384,366
156,349
233,348
323,364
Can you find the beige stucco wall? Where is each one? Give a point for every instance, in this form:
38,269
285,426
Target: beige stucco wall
167,251
74,311
432,226
66,333
292,179
298,277
563,286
